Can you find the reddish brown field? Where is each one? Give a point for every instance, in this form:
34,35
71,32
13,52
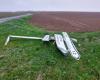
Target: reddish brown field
67,21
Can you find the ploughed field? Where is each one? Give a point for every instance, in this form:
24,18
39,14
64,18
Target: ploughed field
67,21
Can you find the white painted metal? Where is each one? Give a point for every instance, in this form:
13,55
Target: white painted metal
59,39
71,47
60,43
46,38
8,39
52,38
74,40
22,37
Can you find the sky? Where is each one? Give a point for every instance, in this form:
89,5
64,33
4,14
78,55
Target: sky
50,5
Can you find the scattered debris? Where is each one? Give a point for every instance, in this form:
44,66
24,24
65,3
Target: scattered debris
63,42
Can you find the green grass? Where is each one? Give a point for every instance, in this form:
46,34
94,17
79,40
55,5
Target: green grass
35,60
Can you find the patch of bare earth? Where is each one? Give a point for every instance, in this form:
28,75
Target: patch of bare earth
67,21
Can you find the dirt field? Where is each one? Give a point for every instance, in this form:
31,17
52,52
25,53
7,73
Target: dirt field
67,21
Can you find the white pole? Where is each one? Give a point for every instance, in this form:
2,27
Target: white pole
21,37
24,37
8,38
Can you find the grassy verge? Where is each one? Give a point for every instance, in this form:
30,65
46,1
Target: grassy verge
35,60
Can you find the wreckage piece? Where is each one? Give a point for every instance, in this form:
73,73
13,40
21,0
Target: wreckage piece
45,38
71,47
57,37
60,44
74,40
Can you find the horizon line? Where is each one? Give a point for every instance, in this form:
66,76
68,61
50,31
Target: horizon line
47,11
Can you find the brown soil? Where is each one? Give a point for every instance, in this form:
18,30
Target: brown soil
67,21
